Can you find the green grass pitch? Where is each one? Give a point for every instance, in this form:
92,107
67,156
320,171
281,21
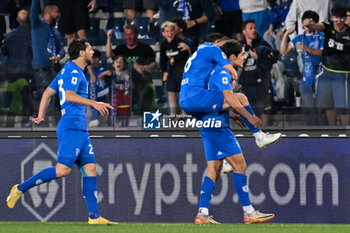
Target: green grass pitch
77,227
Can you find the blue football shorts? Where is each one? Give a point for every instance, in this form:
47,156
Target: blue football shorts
219,143
205,101
74,147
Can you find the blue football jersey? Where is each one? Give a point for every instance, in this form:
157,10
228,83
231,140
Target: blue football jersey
310,62
71,78
198,68
313,40
219,80
99,87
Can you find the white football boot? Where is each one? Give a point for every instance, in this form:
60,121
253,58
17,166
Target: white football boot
226,167
265,139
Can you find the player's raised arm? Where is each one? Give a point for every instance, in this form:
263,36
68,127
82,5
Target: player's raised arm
73,97
232,71
44,104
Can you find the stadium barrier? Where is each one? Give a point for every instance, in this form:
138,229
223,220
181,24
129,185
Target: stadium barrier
301,180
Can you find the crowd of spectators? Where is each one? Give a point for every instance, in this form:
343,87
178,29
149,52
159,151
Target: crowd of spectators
34,34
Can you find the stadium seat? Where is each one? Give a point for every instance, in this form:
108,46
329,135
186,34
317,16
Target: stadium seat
142,24
210,27
96,35
155,31
206,29
290,63
116,23
103,59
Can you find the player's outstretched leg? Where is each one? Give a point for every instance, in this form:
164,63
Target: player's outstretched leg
262,139
90,195
207,190
43,176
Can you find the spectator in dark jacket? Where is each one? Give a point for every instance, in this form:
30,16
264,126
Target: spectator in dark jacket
19,67
255,77
17,40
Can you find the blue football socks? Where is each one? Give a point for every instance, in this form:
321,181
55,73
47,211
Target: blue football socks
43,176
240,182
246,122
90,195
207,190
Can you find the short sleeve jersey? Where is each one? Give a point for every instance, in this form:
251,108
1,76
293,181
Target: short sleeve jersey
98,86
313,41
336,53
71,78
198,68
220,80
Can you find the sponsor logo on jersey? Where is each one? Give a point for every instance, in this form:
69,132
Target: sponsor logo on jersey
223,55
74,80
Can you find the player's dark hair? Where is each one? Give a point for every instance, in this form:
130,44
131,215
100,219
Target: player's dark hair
212,37
76,46
244,24
180,23
339,10
232,47
310,15
132,27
